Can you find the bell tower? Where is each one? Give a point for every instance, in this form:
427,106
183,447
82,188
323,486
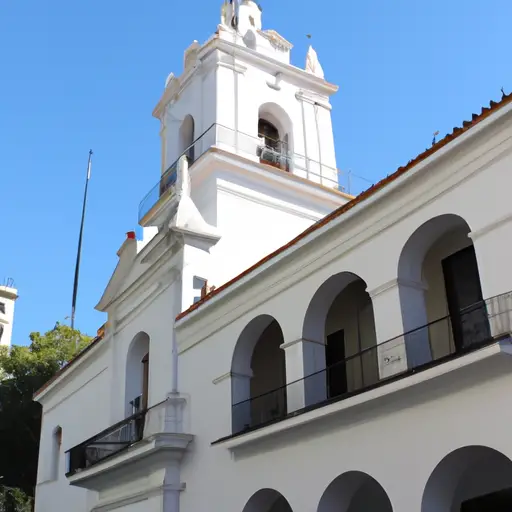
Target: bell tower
252,136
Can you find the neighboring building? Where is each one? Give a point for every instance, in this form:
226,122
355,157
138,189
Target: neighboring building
8,296
355,353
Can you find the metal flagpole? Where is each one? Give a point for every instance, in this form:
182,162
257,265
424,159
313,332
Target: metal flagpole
77,266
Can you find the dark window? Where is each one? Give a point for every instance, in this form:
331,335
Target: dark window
270,133
2,308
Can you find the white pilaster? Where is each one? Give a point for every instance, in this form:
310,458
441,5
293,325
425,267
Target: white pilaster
305,375
399,309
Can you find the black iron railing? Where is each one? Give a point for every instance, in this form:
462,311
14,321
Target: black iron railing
107,443
432,344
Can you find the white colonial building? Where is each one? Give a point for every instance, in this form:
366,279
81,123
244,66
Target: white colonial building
8,296
276,345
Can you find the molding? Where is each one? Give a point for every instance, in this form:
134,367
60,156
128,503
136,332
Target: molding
237,68
289,344
49,408
137,497
290,209
475,235
306,97
394,283
229,375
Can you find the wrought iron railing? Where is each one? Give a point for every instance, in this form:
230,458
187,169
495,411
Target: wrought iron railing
107,443
277,155
432,344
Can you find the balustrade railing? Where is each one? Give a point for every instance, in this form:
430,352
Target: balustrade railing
278,155
472,328
107,443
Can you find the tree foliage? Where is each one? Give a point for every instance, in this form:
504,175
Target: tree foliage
23,370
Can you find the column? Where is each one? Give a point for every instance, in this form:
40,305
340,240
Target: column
399,308
495,276
305,375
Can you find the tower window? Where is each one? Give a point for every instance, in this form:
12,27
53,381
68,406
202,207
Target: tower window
2,307
269,133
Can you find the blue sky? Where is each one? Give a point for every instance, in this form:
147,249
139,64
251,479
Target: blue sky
79,75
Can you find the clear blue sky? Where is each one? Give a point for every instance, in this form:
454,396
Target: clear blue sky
87,74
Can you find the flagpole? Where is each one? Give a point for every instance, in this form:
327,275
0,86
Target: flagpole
77,266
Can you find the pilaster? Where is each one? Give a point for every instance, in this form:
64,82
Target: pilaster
305,375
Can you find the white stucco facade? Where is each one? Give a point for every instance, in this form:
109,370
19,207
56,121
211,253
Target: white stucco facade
363,365
8,296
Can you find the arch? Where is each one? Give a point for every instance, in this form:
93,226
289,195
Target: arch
137,374
354,491
275,128
56,452
470,479
187,130
440,291
258,374
267,500
340,321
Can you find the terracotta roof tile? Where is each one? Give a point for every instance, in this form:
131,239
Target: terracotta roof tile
456,132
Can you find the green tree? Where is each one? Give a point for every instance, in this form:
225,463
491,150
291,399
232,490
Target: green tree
23,370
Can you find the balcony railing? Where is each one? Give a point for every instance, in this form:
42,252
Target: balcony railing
416,350
107,443
278,155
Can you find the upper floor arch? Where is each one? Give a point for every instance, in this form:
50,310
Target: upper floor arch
137,374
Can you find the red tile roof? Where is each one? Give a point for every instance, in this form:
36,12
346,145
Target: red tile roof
456,132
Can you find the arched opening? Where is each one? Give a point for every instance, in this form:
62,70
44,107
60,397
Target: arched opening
470,479
56,452
340,320
443,311
137,374
275,133
354,492
187,138
267,500
258,374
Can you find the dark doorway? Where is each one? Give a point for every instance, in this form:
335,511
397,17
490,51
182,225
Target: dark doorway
336,364
465,302
500,501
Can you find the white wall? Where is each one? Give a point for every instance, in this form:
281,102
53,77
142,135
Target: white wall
397,441
82,409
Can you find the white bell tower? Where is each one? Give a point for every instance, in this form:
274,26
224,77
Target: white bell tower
254,136
8,296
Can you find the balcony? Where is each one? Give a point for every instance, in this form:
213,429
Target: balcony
154,437
277,155
474,328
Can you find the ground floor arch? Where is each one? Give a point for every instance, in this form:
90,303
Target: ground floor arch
258,374
354,491
470,479
267,500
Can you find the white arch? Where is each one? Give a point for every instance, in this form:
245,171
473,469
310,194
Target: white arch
267,500
275,114
465,474
421,240
187,131
258,374
316,314
134,385
354,491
